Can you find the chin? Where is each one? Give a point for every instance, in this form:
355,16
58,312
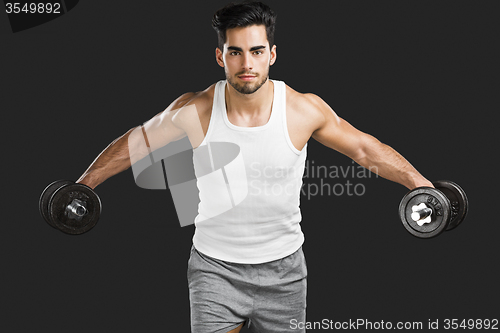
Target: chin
247,88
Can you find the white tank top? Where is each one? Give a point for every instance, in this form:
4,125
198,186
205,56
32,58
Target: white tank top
249,181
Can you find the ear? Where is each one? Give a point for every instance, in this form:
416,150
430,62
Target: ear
218,57
274,55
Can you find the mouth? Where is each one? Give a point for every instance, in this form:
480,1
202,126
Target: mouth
246,77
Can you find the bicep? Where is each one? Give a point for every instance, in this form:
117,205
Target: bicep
338,134
161,129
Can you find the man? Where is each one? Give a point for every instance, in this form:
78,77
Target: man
246,263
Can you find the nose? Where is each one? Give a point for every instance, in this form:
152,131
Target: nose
247,62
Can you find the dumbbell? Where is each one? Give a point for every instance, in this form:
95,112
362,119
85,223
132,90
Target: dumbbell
426,212
70,207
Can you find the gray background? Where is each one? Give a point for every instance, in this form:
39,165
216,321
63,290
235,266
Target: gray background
71,86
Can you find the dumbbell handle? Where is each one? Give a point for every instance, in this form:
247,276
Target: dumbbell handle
76,209
420,212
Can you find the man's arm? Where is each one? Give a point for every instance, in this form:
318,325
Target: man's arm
116,157
364,149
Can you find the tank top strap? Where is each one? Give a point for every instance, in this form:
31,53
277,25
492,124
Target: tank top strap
279,105
219,100
216,116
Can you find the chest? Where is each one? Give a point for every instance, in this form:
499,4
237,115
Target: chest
299,127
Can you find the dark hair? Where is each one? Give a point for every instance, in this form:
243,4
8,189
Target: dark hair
241,15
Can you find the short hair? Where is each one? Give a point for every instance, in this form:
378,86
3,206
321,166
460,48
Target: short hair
242,15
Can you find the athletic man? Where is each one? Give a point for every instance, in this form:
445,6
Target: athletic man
246,263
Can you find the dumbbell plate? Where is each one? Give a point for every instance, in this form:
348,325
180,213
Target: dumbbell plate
435,200
458,200
63,197
47,193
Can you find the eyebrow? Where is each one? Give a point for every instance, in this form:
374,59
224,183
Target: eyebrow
254,48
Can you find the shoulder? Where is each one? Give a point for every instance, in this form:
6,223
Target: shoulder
201,101
306,107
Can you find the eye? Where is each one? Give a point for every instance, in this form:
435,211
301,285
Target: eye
258,52
234,53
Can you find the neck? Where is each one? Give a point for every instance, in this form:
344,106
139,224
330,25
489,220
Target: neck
250,105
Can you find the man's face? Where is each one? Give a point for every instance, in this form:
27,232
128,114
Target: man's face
246,58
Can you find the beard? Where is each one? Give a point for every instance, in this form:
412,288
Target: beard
247,87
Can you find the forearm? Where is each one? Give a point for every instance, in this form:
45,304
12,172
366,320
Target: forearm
389,164
114,159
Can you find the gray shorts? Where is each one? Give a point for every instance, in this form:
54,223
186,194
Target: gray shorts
268,296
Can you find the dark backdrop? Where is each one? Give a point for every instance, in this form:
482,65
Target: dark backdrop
422,76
